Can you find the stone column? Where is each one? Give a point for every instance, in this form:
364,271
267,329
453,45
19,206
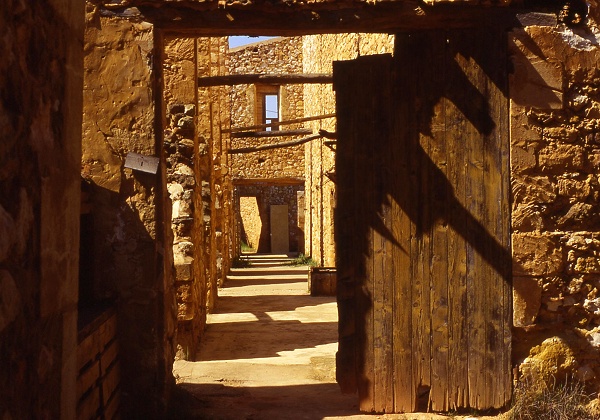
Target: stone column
132,257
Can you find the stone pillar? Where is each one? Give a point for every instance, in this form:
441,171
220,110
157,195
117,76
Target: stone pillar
40,150
181,97
132,254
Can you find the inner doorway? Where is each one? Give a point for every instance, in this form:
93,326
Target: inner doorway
280,236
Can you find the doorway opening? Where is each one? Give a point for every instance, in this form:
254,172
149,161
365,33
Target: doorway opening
279,166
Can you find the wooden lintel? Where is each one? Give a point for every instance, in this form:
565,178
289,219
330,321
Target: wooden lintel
267,181
276,79
274,133
279,123
187,18
274,146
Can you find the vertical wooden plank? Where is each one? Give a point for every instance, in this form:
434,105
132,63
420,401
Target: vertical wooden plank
403,180
366,198
476,275
456,128
497,177
372,320
420,244
490,219
506,383
383,292
344,230
439,193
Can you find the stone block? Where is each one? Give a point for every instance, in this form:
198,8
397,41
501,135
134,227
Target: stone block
580,189
185,312
534,83
183,271
527,218
527,299
562,133
522,159
536,255
533,190
562,157
577,215
522,132
587,265
553,360
185,293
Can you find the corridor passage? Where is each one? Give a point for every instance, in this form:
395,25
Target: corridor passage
268,351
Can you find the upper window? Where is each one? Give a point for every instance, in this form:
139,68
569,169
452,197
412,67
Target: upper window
267,106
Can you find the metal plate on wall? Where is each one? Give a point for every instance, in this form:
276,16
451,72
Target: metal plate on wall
142,163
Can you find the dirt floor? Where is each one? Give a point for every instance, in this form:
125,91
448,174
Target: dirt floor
268,353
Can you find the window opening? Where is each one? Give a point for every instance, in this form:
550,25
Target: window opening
271,110
267,106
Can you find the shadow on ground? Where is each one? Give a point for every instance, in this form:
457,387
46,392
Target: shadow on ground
223,402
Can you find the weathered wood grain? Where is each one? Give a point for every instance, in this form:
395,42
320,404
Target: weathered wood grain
425,189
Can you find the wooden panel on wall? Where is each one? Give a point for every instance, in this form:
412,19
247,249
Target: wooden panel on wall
422,224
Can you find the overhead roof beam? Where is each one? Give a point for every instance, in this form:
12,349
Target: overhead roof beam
275,79
187,18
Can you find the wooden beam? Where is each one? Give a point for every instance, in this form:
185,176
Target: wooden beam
274,133
267,181
276,124
274,146
275,79
205,19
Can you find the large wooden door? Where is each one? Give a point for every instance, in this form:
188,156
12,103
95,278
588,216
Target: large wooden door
422,224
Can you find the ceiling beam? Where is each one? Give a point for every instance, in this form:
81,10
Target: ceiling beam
180,18
276,79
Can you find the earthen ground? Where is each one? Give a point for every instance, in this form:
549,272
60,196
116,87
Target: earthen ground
268,353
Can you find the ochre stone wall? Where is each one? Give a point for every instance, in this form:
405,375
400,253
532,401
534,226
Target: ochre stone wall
250,221
275,56
279,166
180,74
555,164
131,210
40,151
319,52
213,166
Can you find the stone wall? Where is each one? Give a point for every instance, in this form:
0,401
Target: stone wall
132,262
251,224
319,52
275,56
40,150
555,164
198,184
180,74
213,165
